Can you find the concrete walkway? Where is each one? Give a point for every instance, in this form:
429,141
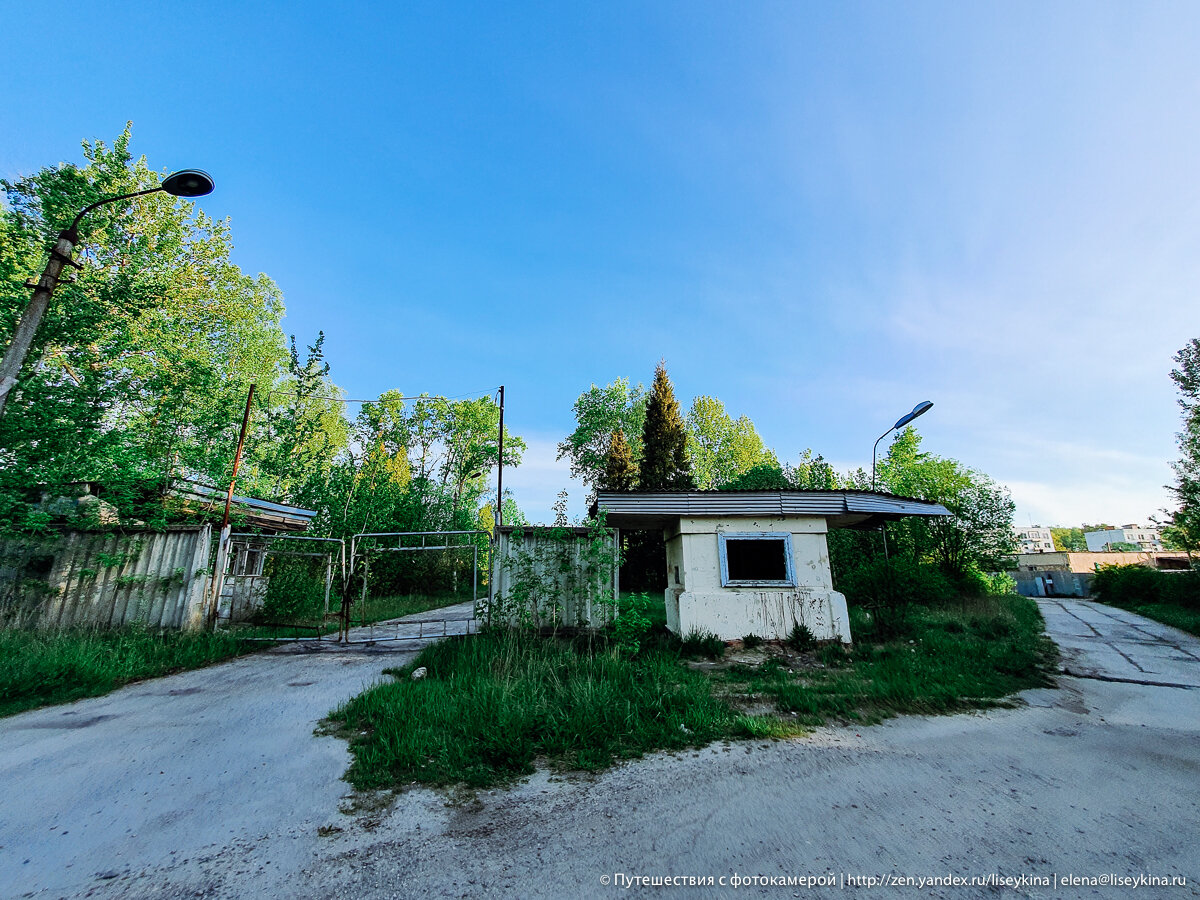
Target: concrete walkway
212,784
1098,641
411,632
177,771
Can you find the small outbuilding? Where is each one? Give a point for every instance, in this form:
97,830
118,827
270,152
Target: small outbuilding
754,562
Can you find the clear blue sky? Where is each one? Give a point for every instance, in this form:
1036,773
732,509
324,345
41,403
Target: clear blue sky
819,213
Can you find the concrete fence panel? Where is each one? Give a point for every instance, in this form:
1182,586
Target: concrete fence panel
106,579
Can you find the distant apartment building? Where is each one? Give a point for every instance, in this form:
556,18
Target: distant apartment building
1034,539
1147,539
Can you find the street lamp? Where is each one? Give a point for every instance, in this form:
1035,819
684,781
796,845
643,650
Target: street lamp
184,183
919,410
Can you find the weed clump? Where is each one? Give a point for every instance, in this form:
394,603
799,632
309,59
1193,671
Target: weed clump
702,644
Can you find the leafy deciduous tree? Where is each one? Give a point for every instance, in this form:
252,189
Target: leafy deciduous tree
719,447
599,412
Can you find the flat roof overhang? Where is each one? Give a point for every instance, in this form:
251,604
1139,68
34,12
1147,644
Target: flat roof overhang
649,510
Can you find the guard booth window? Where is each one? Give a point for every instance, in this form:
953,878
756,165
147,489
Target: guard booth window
756,559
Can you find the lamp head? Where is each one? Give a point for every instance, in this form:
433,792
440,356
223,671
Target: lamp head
188,183
919,410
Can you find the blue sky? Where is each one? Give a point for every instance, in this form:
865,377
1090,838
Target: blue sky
819,213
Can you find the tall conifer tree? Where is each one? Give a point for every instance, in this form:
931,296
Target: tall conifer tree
664,463
620,471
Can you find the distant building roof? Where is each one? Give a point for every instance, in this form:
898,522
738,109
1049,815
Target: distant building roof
260,513
842,509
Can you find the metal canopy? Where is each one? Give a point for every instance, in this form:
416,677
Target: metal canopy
647,510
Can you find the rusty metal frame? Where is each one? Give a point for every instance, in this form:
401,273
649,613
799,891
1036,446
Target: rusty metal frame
247,539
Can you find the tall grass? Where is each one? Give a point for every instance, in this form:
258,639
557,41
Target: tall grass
960,657
44,668
494,703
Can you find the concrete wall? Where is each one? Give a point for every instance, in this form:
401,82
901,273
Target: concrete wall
696,600
106,579
549,576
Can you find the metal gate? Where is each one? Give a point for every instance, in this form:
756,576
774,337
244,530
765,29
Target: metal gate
283,581
382,581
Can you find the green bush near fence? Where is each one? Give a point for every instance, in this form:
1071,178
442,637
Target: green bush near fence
1169,597
1135,585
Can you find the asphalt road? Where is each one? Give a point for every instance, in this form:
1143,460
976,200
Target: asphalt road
212,784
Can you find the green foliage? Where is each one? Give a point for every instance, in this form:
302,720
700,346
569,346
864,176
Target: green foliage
664,464
295,591
44,668
702,643
139,368
1069,539
763,477
598,413
750,641
887,588
494,703
977,536
720,448
800,638
999,583
632,625
1128,585
1169,597
620,468
1184,528
951,658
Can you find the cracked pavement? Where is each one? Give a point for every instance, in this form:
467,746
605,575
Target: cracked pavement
211,784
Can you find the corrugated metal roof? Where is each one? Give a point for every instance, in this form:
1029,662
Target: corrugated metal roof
842,508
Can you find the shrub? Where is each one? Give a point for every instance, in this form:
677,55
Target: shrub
751,641
1000,583
1181,588
800,637
702,643
1127,585
630,628
293,593
887,587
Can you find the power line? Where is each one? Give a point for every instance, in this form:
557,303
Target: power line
480,393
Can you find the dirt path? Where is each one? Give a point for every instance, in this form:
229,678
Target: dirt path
219,789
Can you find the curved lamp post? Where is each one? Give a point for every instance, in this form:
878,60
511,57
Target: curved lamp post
919,410
184,183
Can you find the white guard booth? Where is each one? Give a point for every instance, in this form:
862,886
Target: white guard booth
754,562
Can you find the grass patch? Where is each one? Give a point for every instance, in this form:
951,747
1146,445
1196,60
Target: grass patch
492,705
380,609
45,668
969,656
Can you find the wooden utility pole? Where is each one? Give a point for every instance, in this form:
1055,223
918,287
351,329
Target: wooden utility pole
500,467
218,580
237,457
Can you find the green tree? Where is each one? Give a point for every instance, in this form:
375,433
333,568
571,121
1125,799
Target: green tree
763,477
140,367
301,430
664,463
599,411
719,447
1183,528
977,536
620,470
1068,539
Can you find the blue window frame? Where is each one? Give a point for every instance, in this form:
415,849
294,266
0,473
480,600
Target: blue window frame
756,559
